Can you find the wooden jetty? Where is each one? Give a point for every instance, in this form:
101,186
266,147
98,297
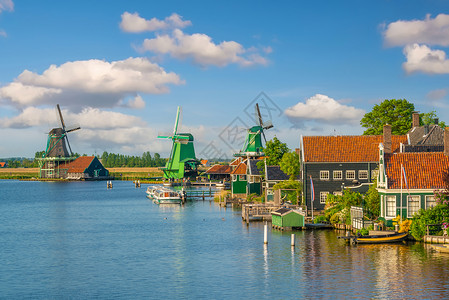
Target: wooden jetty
203,194
261,212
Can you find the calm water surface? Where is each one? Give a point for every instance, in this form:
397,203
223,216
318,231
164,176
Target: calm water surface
81,241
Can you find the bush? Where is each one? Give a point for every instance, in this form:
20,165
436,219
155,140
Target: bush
320,219
434,215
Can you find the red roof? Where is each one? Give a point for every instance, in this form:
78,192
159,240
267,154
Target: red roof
236,161
79,165
357,148
423,170
240,170
2,164
219,169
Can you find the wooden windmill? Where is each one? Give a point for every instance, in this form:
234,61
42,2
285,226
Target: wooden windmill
58,151
182,162
253,143
58,140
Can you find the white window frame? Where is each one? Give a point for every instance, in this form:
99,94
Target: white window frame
350,172
242,177
390,210
364,173
324,175
323,197
335,177
251,179
413,205
234,177
433,201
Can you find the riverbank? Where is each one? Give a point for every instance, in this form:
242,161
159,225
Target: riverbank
149,174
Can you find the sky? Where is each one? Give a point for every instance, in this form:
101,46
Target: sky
120,69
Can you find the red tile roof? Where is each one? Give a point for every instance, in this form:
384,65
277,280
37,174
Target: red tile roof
424,170
357,148
236,161
79,165
240,170
2,164
219,169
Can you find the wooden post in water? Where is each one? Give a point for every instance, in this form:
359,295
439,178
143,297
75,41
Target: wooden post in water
265,233
293,240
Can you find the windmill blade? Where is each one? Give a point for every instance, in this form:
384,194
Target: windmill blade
263,134
178,114
60,116
164,137
68,144
73,129
258,115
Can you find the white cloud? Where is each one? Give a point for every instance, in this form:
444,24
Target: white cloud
3,33
322,108
134,23
202,50
6,5
437,94
92,82
428,31
420,58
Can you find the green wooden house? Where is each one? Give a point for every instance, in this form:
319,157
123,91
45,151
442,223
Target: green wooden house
407,181
239,180
287,218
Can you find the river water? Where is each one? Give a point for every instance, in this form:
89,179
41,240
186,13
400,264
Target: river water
79,240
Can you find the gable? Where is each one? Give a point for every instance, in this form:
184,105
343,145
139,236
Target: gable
79,165
240,170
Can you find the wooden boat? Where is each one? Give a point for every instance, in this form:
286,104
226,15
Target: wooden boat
376,239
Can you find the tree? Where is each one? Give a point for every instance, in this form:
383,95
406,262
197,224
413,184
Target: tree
429,119
290,164
372,201
274,151
397,113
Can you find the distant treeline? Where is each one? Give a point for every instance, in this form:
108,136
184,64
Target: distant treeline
109,160
112,160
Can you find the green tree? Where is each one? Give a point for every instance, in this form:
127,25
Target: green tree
338,208
429,119
290,164
397,113
372,201
274,151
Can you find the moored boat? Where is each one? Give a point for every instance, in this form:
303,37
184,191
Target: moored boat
166,196
376,239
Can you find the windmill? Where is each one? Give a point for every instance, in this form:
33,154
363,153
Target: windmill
253,142
57,140
182,162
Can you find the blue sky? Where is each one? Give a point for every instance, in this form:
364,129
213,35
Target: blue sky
119,69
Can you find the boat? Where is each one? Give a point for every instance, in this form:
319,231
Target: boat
376,239
162,195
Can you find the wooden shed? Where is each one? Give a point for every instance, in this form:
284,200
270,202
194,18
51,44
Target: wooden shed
287,219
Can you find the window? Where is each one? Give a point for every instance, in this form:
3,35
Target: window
390,206
339,193
413,205
234,177
430,201
338,175
242,177
350,175
363,174
374,173
324,175
323,197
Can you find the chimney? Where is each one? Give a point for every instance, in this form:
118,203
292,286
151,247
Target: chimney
446,141
387,138
415,119
436,121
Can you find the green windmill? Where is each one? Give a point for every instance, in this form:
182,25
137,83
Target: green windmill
253,142
182,162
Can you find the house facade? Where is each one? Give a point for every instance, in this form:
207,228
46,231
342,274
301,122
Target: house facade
85,168
407,181
334,163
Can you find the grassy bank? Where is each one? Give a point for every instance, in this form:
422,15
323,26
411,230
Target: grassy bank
142,174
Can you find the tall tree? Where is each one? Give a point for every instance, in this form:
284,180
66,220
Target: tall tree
290,164
274,151
397,113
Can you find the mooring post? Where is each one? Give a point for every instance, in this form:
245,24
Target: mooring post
293,240
265,233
